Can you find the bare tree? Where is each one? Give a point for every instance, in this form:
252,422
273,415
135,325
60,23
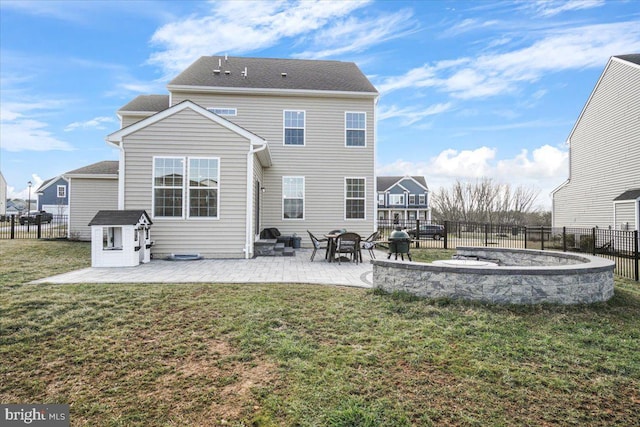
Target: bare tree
484,201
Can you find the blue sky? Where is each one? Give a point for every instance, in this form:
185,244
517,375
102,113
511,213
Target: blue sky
469,89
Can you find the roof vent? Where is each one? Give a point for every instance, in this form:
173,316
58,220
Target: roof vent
283,74
216,71
227,72
219,62
244,73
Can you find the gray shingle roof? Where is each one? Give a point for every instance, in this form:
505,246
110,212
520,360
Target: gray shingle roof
629,195
267,73
383,183
106,167
128,217
151,103
634,57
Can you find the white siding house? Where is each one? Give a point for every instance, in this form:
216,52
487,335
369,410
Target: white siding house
243,144
603,188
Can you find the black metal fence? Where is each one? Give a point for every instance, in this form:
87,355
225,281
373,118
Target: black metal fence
11,227
620,246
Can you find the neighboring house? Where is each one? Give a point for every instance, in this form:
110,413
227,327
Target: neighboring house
53,196
403,197
603,189
91,189
242,144
3,195
16,207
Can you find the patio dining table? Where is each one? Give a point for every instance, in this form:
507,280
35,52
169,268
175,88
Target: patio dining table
332,242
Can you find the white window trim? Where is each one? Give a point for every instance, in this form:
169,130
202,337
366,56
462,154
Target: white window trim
234,111
393,196
422,199
284,128
64,191
153,186
187,188
304,199
347,129
355,198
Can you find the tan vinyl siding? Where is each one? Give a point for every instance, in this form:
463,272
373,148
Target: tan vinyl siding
625,213
323,161
86,198
258,175
188,134
604,151
129,120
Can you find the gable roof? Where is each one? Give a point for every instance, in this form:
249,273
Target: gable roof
633,194
383,183
46,184
269,74
264,155
124,217
96,170
146,103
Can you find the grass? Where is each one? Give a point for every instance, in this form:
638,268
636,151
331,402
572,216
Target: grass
282,355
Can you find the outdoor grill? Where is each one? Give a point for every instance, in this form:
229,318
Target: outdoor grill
399,242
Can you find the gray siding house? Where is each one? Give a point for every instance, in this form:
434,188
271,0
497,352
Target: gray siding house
91,189
3,195
243,144
603,188
403,197
53,196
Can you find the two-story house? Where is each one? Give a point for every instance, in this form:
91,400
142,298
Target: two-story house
603,189
242,144
403,198
53,196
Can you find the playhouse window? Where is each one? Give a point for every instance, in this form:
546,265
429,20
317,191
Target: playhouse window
112,238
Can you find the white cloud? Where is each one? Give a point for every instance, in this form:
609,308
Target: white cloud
545,168
95,123
30,135
499,73
551,8
240,27
20,131
411,115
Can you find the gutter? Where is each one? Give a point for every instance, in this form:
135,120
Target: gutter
248,246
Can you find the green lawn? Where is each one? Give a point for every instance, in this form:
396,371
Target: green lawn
283,355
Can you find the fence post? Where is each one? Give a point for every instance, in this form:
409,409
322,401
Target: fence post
542,237
417,232
564,239
486,235
13,226
39,224
525,237
636,243
446,234
593,244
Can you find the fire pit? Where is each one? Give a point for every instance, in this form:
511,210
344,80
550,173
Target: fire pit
399,242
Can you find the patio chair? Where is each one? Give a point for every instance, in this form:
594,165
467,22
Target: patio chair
317,244
370,244
348,243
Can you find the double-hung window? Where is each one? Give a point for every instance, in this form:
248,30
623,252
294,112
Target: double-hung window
354,198
204,175
293,197
62,191
172,192
422,199
355,135
412,199
294,122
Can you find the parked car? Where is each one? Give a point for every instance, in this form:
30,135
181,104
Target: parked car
32,217
435,231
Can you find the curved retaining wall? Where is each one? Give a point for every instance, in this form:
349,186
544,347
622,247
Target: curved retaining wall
523,276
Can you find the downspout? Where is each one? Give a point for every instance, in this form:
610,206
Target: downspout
120,172
248,243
